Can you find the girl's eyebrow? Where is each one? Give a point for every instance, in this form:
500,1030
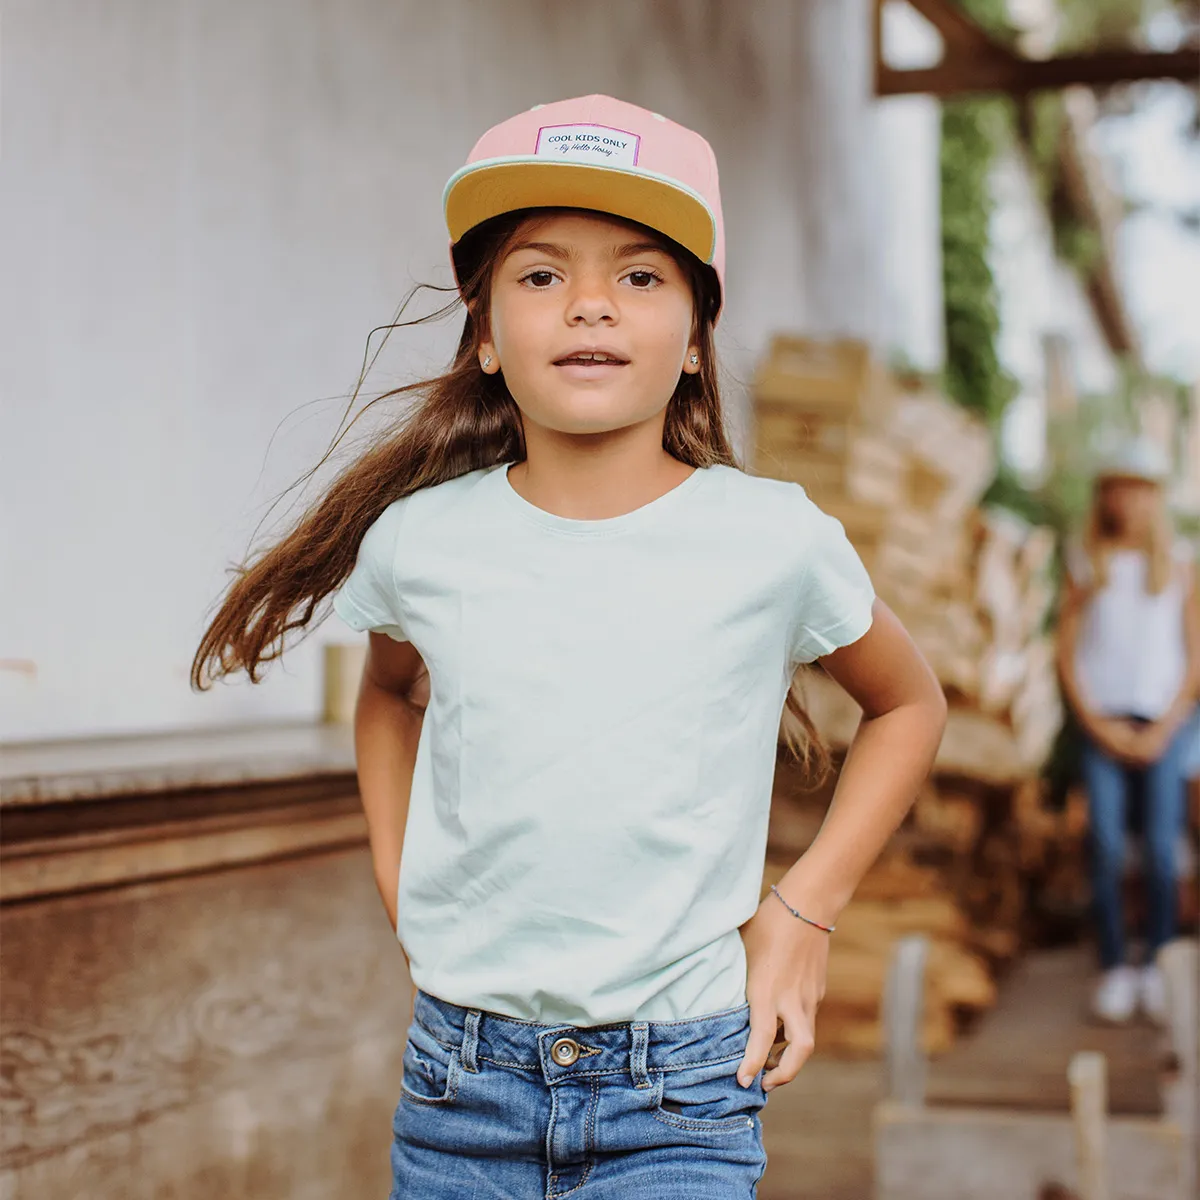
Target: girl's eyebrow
632,249
547,248
563,254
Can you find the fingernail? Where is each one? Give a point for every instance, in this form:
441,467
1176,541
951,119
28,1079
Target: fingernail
742,1082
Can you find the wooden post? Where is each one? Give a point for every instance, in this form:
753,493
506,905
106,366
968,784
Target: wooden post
1087,1074
1179,961
903,1013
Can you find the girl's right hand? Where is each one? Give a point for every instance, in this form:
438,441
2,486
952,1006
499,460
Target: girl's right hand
1153,740
1118,738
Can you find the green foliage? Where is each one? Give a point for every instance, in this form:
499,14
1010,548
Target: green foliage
1077,244
973,129
1046,120
971,132
1098,23
992,15
1010,492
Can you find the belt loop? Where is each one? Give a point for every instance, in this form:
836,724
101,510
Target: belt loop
640,1031
470,1041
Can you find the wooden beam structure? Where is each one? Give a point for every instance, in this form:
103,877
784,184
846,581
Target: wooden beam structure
975,62
956,27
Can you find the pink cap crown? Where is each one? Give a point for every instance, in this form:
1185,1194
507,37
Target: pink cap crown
599,153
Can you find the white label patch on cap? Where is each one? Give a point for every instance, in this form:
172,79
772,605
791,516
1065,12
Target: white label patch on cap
588,143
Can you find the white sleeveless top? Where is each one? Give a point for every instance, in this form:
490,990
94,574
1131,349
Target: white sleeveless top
1131,656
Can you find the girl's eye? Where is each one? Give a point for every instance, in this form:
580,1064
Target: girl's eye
643,280
539,280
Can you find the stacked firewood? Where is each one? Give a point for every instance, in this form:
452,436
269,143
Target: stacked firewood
904,470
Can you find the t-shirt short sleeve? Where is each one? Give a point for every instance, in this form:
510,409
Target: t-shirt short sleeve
834,604
369,598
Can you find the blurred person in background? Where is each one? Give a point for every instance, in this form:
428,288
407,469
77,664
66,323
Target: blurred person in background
1129,661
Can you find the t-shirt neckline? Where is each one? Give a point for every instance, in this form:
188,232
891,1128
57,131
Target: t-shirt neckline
599,526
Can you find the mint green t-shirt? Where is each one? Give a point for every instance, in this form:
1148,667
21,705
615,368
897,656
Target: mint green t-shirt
588,817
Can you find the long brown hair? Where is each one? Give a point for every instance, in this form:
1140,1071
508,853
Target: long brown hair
465,420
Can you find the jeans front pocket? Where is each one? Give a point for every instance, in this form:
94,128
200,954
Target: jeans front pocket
707,1099
431,1070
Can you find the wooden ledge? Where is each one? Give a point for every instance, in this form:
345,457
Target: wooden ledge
97,813
52,772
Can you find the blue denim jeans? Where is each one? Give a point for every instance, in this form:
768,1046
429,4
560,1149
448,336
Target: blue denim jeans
1163,791
494,1108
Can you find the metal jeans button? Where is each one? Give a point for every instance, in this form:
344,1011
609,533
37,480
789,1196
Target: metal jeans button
565,1051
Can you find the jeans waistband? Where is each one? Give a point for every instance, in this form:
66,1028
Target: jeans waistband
631,1047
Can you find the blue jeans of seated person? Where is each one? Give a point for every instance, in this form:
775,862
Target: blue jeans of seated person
1163,789
495,1108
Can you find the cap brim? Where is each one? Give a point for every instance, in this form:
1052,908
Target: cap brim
490,187
1128,473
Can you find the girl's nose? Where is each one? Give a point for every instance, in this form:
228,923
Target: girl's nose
590,302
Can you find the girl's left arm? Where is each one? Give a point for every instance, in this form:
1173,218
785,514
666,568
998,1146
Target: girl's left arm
903,718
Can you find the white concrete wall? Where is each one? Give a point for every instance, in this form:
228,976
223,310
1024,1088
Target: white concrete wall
204,207
909,192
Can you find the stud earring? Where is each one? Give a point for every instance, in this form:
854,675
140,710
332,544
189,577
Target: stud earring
695,360
487,362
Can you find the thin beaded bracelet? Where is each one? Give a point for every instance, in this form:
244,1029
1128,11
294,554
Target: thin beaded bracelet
814,924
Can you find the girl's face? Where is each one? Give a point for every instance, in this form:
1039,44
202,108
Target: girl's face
1129,506
591,322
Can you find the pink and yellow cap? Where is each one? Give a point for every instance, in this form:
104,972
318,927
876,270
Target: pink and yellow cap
599,153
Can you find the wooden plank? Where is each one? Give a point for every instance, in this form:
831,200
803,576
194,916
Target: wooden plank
903,1000
1019,77
1179,961
778,428
995,1154
49,868
866,478
1018,1053
1088,1077
957,27
88,768
838,376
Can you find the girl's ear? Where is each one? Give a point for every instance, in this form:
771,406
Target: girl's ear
691,361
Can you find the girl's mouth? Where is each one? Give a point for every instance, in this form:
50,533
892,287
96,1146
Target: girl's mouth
607,358
590,364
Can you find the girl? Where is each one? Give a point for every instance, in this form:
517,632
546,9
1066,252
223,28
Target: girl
1128,658
557,547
